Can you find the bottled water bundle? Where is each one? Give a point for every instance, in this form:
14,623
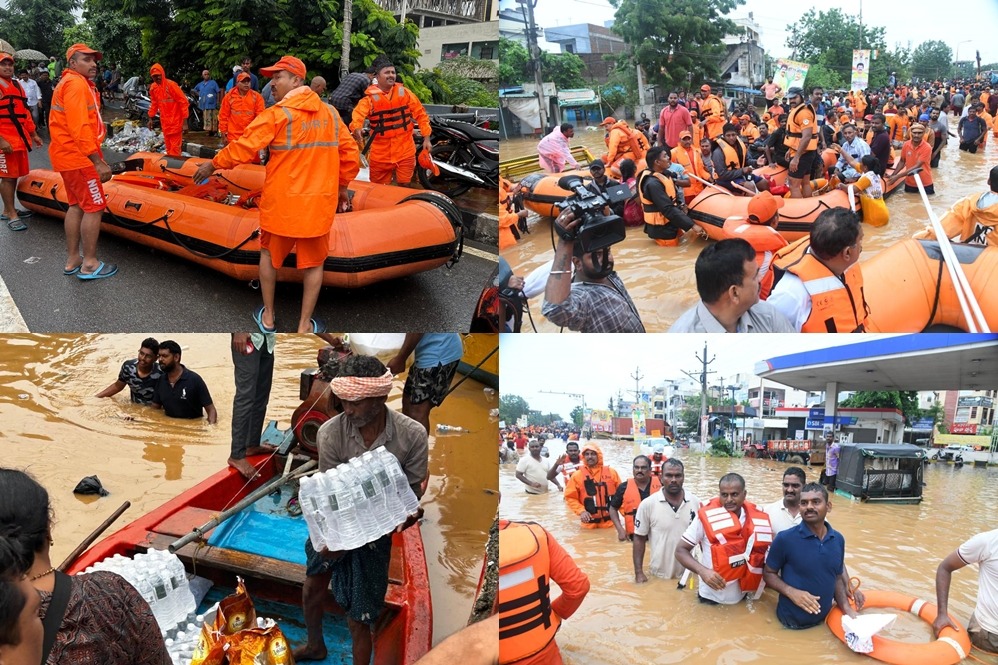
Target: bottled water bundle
356,503
161,579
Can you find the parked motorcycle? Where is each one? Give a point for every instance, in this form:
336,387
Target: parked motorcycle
466,155
137,105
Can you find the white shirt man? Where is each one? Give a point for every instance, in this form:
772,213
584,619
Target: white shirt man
664,526
857,149
982,549
532,469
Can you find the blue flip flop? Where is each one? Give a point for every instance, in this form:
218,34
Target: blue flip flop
103,270
258,317
70,273
318,325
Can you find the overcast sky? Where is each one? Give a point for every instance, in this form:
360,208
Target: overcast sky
972,22
599,365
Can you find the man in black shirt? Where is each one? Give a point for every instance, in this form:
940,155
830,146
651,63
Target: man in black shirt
180,392
350,91
140,374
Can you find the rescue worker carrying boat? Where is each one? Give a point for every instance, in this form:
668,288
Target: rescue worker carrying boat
392,111
588,491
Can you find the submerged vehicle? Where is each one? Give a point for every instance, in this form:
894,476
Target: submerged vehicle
883,472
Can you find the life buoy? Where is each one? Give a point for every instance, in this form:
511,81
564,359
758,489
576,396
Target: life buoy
951,647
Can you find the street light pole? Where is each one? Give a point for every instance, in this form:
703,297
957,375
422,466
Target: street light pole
734,430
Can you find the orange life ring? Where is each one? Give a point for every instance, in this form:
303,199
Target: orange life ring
950,648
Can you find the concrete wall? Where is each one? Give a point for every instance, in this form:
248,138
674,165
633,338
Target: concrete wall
433,40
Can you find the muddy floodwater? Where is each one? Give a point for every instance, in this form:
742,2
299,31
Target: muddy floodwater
661,279
54,428
895,547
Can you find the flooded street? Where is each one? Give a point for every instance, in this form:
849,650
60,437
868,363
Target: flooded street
55,429
889,547
661,279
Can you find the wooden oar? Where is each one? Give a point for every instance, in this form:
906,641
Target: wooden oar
82,547
976,321
710,184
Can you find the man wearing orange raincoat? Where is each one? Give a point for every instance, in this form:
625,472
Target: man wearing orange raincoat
588,491
509,218
239,107
622,142
167,99
973,219
392,111
313,158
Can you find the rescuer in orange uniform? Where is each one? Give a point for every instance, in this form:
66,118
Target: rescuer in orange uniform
77,131
167,99
712,113
588,491
312,160
392,111
17,133
529,558
239,107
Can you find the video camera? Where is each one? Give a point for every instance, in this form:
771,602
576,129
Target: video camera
596,230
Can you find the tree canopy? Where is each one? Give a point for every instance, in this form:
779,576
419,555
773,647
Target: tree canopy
676,42
826,40
905,401
511,407
577,416
38,24
563,69
932,60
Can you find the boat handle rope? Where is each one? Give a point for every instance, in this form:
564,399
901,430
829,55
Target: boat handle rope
253,234
129,224
807,214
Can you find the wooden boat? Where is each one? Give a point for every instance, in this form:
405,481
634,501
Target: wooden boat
155,203
274,578
909,289
712,207
476,349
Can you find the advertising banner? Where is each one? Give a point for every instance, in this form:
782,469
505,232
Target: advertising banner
790,74
860,69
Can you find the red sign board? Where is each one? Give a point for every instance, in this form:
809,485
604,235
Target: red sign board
963,428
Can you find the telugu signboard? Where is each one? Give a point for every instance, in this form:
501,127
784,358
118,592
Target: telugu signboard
790,74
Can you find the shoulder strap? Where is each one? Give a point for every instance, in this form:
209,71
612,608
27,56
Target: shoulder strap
56,611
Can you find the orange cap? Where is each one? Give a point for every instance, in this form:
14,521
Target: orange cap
426,162
685,134
288,63
6,55
608,121
762,207
242,76
82,48
705,87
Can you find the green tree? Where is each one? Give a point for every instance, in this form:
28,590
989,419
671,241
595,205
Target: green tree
819,74
905,401
511,407
721,447
932,60
563,69
513,59
38,24
690,413
674,40
577,416
828,38
112,33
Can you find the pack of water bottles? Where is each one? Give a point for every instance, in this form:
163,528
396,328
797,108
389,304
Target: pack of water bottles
356,503
161,579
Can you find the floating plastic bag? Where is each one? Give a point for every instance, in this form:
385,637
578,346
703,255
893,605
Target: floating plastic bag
860,631
90,485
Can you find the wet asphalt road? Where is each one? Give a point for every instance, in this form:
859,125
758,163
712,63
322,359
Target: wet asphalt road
154,290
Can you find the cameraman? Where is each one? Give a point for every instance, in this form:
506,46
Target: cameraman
597,301
665,222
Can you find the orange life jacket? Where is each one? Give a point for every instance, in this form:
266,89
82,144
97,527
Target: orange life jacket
795,129
596,498
390,115
526,622
656,467
16,124
836,306
632,499
636,143
737,552
734,155
765,240
693,165
655,219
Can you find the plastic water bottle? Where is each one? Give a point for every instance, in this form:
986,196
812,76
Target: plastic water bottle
310,492
349,534
362,505
181,588
449,428
165,597
405,493
394,503
329,508
375,497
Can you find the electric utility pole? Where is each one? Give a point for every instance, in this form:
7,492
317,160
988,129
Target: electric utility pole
535,57
702,378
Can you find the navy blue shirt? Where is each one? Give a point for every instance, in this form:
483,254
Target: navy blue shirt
804,562
184,399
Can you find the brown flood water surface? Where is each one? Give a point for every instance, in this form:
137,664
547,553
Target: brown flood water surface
889,547
661,279
55,429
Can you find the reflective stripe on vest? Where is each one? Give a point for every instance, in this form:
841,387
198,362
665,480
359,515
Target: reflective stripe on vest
526,622
390,117
652,214
7,110
289,134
